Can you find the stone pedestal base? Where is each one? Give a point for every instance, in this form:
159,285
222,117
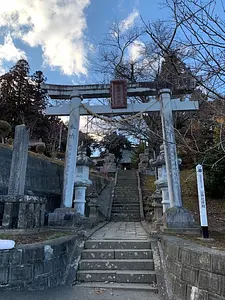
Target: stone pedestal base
68,217
93,210
158,211
178,218
79,202
22,212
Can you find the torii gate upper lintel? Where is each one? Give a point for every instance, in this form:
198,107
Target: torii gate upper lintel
74,109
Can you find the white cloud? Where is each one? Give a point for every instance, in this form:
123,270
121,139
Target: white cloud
9,53
56,25
136,50
129,21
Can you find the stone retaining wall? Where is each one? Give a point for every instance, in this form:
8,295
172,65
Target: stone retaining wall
195,272
42,265
45,178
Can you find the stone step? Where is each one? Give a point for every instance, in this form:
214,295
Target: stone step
117,276
124,286
125,201
126,197
118,244
98,254
133,254
124,208
126,214
126,205
127,180
125,186
122,219
130,212
117,254
116,264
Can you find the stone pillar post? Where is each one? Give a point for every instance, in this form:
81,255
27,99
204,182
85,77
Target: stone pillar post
82,181
176,217
71,150
169,142
19,161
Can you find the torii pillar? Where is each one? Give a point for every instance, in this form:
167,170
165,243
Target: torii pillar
71,149
176,217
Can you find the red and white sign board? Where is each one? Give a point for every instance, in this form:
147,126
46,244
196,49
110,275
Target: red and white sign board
119,94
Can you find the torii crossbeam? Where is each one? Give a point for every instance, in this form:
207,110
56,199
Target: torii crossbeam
76,93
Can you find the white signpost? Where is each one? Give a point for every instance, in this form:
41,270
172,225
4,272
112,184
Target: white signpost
75,109
202,202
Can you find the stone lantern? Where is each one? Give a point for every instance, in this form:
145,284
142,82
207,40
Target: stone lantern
82,180
161,182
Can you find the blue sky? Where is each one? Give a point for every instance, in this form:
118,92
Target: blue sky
58,36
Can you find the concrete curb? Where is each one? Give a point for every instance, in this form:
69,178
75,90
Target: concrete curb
140,197
112,196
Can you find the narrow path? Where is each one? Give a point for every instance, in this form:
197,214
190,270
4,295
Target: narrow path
80,293
121,231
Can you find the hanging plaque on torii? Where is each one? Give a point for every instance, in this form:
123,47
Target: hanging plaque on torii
118,93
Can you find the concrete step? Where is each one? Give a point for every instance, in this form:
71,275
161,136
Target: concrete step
117,276
125,215
126,187
124,201
122,219
123,197
131,213
117,254
116,264
133,254
126,207
124,286
118,244
97,254
136,276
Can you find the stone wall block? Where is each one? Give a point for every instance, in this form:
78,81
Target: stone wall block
218,264
195,293
39,254
189,275
173,250
4,257
48,266
179,289
28,255
214,297
20,273
38,269
16,257
185,256
38,284
201,260
174,267
7,217
4,274
55,280
210,282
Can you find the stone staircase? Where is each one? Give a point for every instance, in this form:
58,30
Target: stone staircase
126,205
117,264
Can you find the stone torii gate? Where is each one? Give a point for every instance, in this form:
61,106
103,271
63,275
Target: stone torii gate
75,109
